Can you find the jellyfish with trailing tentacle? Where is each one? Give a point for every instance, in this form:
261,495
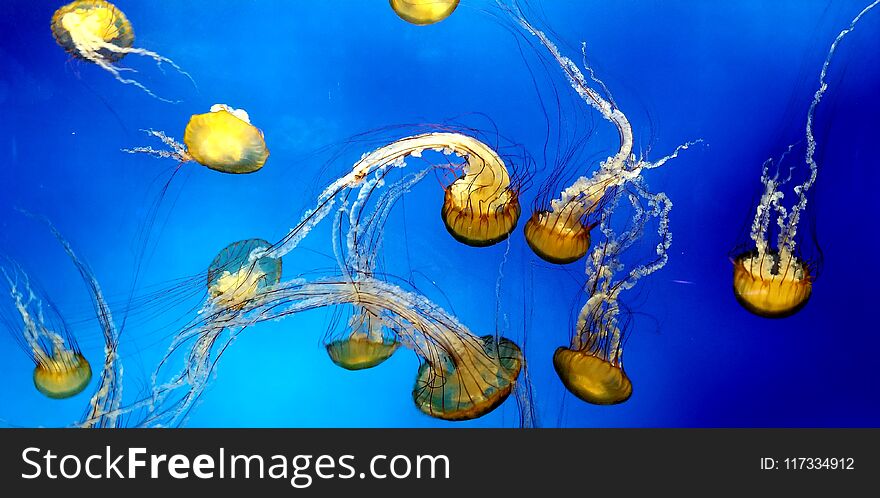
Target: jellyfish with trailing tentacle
774,278
233,278
591,368
98,32
423,12
560,232
61,370
64,372
222,139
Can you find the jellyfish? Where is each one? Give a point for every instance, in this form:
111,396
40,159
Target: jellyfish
776,280
61,371
98,32
423,12
591,368
222,139
233,278
367,344
560,233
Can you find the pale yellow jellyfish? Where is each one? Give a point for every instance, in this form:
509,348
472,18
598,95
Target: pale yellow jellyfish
422,12
64,374
222,139
234,277
98,32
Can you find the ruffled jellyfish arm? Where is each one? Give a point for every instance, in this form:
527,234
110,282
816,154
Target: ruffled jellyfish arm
175,150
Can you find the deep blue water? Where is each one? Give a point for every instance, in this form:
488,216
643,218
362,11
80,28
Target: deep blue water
738,74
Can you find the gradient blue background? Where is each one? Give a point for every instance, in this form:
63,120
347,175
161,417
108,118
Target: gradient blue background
738,74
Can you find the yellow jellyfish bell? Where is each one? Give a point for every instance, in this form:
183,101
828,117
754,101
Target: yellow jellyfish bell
776,285
63,375
90,29
225,140
591,378
423,12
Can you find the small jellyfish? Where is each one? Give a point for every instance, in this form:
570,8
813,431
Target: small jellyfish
234,277
366,346
61,370
98,32
471,385
777,281
423,12
222,139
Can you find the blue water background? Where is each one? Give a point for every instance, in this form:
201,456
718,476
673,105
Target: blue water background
738,74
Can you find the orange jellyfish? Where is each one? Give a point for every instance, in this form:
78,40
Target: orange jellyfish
366,345
98,32
222,139
423,12
592,367
61,370
777,281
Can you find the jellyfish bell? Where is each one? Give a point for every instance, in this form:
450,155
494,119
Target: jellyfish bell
234,279
471,385
591,378
359,352
224,139
423,12
85,28
776,285
366,345
481,208
63,375
556,238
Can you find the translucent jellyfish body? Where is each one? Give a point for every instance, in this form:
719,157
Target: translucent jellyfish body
471,386
234,279
66,373
422,12
592,378
773,285
225,140
98,32
366,345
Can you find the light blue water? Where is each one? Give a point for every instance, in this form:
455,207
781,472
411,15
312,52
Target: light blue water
738,74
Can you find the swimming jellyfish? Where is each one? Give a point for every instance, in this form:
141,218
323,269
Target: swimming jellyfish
98,32
776,281
560,233
423,12
61,370
233,278
222,139
592,367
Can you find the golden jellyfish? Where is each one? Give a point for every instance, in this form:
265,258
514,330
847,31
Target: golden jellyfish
471,386
366,346
481,208
66,373
423,12
222,139
234,277
98,32
776,280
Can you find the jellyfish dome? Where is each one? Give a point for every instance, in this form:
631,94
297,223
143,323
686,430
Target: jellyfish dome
366,345
591,378
233,278
224,139
85,28
556,238
423,12
776,285
470,386
63,375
